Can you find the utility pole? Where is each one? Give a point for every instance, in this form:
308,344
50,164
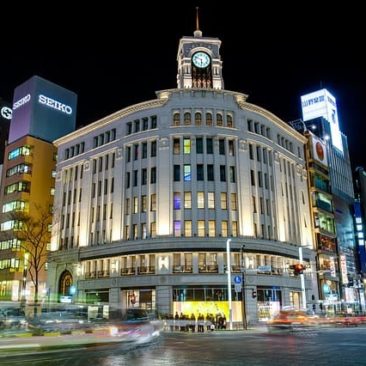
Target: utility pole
244,313
302,279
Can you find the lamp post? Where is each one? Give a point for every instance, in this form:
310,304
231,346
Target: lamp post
228,269
244,313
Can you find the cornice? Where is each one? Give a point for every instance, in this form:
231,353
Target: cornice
112,117
254,108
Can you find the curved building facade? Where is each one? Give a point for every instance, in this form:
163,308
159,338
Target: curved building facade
144,209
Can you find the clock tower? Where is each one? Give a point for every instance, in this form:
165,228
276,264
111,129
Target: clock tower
199,62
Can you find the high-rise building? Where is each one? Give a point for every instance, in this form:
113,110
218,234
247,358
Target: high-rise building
144,211
320,116
42,111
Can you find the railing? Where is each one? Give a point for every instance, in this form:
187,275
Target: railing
208,268
182,269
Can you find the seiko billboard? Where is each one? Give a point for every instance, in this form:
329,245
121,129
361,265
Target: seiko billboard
322,104
42,109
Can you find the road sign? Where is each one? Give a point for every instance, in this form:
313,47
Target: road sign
237,287
237,279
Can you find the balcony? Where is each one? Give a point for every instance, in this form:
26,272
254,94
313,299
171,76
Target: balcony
208,268
146,270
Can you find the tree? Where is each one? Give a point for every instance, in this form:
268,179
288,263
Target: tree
33,232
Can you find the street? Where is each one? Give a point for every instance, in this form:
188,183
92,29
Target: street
331,346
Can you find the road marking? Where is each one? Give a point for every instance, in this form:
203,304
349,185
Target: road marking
26,345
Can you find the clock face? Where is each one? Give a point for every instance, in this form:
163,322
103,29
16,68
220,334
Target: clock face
201,59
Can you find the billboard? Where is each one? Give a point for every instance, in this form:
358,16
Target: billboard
323,104
319,150
42,109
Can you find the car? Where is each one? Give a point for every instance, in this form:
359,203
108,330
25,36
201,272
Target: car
58,321
292,319
12,317
135,325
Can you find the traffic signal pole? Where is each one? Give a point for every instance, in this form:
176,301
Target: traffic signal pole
302,280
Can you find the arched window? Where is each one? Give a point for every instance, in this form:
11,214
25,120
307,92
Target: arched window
65,283
209,119
229,120
219,119
187,118
176,119
197,118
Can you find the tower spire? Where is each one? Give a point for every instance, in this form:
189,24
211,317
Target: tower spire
197,32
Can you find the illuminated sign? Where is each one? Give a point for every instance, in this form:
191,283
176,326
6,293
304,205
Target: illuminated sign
343,269
319,151
323,104
49,102
6,112
21,101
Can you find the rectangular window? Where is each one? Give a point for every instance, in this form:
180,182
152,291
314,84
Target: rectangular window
224,227
153,229
222,173
154,121
143,231
209,146
252,177
199,145
143,177
211,200
188,228
254,201
187,200
127,206
144,150
234,229
153,175
135,178
176,173
177,201
153,149
251,157
153,202
187,173
211,228
135,152
200,174
145,124
250,125
223,199
258,153
143,203
260,184
128,178
233,201
128,154
187,145
232,174
129,128
222,147
261,203
231,148
177,228
210,172
201,228
137,125
200,199
135,205
176,146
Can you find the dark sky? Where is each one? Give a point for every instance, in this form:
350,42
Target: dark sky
116,55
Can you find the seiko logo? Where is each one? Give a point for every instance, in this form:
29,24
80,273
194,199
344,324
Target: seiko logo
21,101
311,101
54,104
6,112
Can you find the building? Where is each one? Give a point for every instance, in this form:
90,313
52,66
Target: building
144,212
320,116
360,219
42,111
323,222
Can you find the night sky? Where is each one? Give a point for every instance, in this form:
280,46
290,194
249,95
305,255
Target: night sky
115,57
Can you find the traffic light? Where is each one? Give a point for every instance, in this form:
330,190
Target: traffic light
298,268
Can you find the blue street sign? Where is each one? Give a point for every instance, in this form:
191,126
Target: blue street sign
237,279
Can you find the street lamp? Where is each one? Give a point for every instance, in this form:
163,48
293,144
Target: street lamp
302,279
244,314
228,269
